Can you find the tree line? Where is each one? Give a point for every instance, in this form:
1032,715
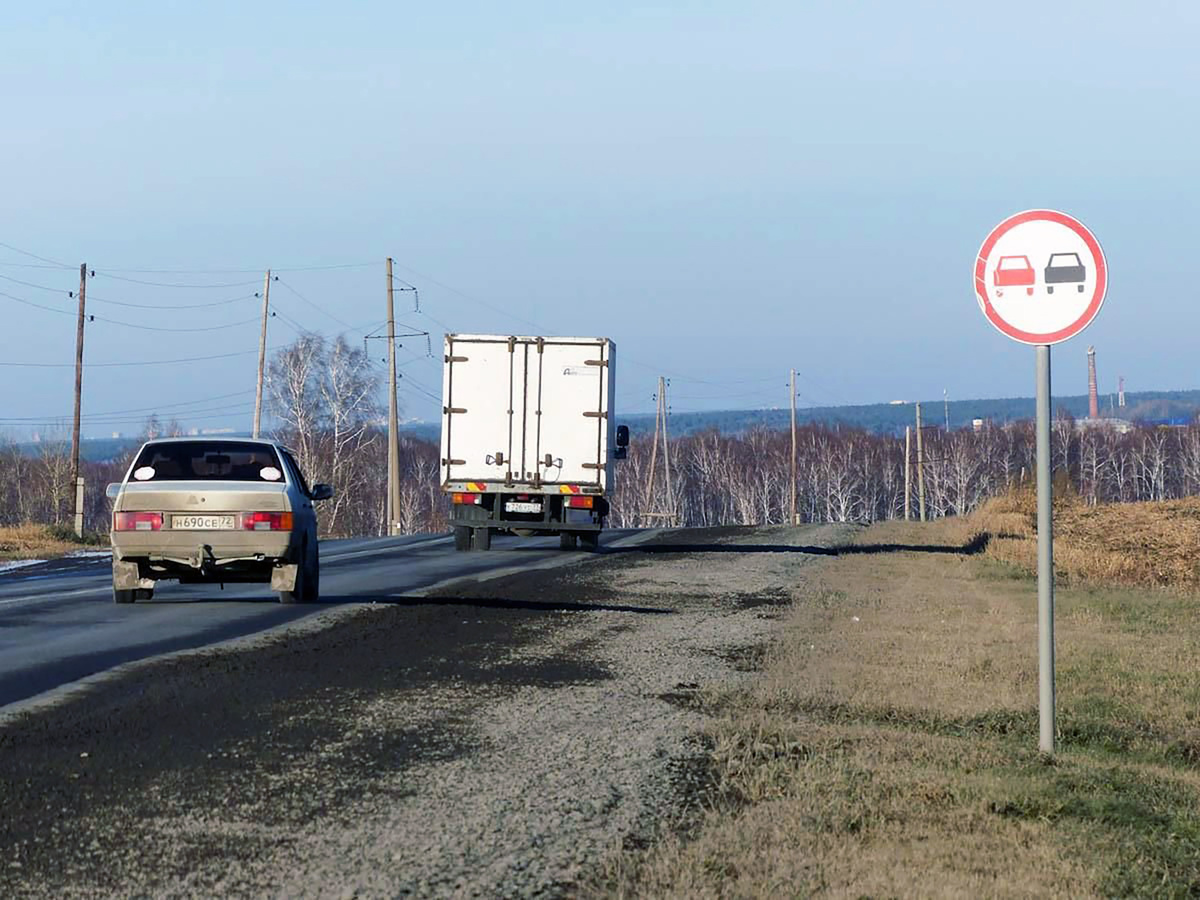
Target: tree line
322,396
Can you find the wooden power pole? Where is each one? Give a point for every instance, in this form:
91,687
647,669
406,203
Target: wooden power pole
920,468
393,494
262,354
792,504
76,480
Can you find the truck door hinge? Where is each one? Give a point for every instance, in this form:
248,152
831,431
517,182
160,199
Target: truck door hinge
596,362
448,410
454,359
596,415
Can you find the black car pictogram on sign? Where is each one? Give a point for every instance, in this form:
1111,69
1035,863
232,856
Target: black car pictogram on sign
1064,268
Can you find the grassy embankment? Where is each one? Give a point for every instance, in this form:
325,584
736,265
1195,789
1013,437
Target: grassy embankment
44,541
890,746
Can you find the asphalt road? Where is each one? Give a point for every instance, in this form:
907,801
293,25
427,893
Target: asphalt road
58,623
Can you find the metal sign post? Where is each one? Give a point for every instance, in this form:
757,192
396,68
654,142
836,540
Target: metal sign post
1045,556
1040,278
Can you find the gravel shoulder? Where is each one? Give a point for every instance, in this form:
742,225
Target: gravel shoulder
500,738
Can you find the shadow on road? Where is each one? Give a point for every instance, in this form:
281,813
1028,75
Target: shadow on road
976,545
501,603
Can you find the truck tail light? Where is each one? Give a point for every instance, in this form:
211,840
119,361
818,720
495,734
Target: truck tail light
267,521
137,521
581,502
474,499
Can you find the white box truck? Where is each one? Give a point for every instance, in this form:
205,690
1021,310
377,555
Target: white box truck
528,438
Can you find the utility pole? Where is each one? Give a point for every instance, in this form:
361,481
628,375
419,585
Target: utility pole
393,495
76,480
793,467
662,391
262,354
653,456
920,468
907,472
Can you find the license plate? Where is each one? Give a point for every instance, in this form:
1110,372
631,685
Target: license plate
203,523
522,506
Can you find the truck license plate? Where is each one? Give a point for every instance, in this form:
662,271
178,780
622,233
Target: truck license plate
522,506
203,523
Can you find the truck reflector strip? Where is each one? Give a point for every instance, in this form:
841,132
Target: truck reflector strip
569,489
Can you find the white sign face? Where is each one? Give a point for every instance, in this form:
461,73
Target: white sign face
1040,277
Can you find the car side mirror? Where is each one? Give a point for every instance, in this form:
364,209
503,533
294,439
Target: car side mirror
112,490
322,492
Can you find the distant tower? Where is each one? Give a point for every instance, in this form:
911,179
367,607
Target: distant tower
1121,391
1093,399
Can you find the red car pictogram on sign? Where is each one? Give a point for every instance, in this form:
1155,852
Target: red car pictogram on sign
1014,271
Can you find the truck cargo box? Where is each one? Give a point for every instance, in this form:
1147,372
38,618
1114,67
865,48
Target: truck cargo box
527,413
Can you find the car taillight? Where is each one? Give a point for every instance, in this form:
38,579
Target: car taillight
137,521
475,499
267,521
581,502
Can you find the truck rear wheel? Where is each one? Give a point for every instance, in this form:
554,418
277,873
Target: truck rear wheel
483,539
566,540
462,538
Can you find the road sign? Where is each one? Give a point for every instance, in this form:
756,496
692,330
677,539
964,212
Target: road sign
1040,277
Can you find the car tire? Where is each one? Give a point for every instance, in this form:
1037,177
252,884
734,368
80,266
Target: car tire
120,596
462,538
589,540
312,584
567,540
482,539
1049,289
1079,288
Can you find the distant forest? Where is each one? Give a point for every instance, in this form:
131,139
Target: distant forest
1146,407
1150,407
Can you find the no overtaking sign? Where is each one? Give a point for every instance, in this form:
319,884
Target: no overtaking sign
1040,277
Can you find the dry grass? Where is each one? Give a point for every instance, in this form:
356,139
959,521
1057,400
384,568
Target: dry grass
1132,543
889,747
38,542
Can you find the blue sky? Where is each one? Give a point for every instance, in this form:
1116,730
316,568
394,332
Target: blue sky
727,190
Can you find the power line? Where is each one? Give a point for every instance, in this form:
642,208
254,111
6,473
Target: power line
53,262
152,362
173,330
164,284
319,309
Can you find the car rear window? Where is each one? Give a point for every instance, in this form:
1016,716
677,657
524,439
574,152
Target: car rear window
1064,259
207,461
1014,262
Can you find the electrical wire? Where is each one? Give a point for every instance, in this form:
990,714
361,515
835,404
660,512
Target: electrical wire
53,262
137,409
175,330
150,362
319,309
164,284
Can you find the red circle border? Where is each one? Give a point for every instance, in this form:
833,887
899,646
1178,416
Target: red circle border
1093,245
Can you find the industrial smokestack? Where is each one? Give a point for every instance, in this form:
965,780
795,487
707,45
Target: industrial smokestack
1093,399
1121,392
